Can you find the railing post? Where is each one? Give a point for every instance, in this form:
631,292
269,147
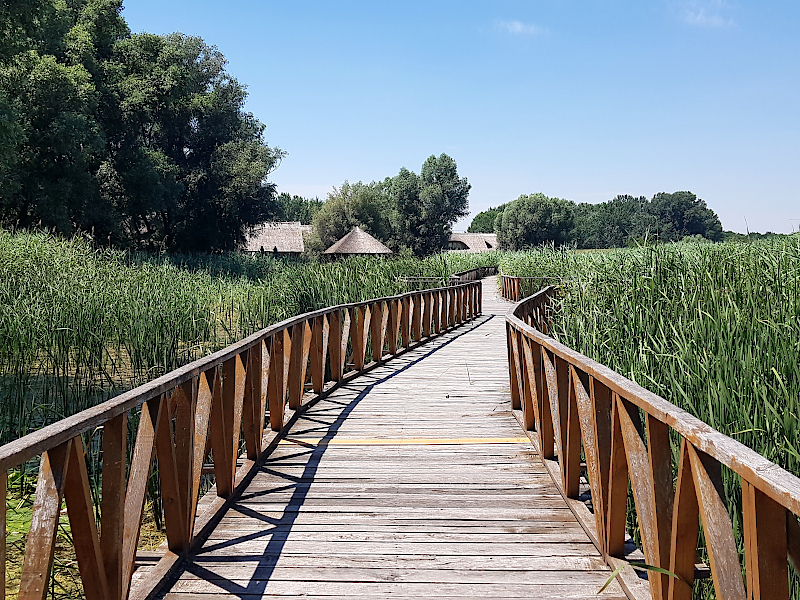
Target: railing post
405,322
360,315
393,325
376,330
437,311
417,318
427,315
335,344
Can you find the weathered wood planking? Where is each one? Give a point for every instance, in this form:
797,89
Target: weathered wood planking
410,481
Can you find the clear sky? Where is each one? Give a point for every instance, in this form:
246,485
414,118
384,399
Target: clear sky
580,99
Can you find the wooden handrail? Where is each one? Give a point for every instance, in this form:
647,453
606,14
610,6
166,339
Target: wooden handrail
627,434
514,287
197,411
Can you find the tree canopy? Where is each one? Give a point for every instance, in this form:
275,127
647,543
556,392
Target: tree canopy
141,140
535,219
410,211
484,221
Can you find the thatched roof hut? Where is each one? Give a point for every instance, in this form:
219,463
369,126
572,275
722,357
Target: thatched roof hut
284,238
358,243
473,242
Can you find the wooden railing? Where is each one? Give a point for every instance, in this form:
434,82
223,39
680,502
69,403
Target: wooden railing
194,412
421,283
473,274
516,288
627,435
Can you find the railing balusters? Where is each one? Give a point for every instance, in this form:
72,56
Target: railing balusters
405,322
202,416
642,485
83,527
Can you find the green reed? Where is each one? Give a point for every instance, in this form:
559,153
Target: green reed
713,328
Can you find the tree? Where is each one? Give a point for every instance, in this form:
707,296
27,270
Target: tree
364,205
297,208
142,140
484,221
427,205
682,214
535,219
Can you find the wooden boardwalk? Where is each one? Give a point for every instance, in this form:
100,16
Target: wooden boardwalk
412,481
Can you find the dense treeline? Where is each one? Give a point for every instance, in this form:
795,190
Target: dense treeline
141,140
407,211
536,219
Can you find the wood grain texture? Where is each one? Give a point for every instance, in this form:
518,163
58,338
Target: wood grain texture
412,479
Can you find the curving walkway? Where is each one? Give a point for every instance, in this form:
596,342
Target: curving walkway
412,481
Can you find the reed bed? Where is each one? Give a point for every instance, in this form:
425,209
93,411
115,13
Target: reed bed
713,328
79,325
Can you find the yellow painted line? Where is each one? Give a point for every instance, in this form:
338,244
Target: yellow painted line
343,441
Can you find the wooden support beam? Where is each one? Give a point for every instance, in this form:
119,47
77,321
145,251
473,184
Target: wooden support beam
726,571
83,527
41,539
112,508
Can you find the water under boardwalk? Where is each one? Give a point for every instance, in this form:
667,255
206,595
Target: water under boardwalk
414,480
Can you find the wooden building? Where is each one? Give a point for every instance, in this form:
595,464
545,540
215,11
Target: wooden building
473,242
358,243
280,238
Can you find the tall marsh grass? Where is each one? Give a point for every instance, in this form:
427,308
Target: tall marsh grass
79,325
713,328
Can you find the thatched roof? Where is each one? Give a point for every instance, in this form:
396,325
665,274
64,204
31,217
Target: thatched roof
358,242
287,237
473,242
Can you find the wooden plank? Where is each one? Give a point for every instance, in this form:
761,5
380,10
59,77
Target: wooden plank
765,543
685,525
335,345
252,417
115,450
720,542
143,451
205,397
185,400
40,542
360,316
587,425
662,491
175,521
642,486
617,510
80,511
572,466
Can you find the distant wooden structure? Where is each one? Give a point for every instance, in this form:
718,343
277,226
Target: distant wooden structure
281,238
473,242
358,243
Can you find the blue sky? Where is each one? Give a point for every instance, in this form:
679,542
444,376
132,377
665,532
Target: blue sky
577,99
